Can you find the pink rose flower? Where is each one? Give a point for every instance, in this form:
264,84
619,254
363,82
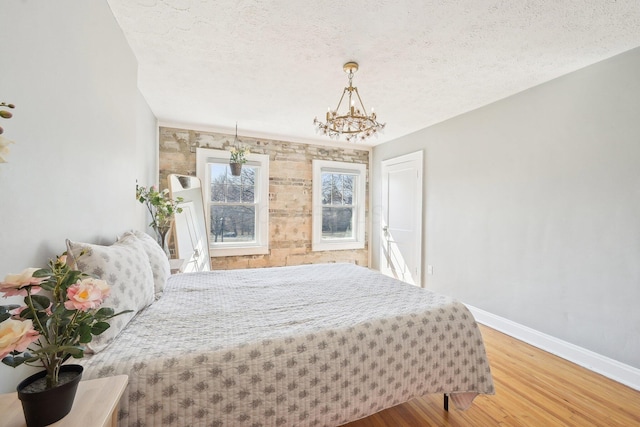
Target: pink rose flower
16,284
87,294
15,313
16,335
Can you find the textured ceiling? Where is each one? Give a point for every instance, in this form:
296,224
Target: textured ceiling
273,66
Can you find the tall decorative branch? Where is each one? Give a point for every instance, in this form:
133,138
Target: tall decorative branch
162,209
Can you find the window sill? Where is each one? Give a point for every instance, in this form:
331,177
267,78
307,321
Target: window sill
235,251
337,246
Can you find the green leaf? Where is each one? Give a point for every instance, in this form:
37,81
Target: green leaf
48,286
47,349
4,316
79,355
75,351
99,328
122,312
42,316
14,360
60,311
43,272
71,278
40,302
104,313
7,308
85,333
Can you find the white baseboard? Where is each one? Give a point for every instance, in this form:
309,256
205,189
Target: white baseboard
610,368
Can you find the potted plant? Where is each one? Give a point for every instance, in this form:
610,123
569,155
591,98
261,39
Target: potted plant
60,315
162,209
237,159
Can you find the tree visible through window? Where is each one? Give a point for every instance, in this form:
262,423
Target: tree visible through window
339,194
237,206
337,205
233,204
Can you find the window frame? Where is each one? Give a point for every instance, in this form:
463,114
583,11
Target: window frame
359,171
205,156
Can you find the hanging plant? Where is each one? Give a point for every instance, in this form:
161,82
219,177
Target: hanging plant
238,156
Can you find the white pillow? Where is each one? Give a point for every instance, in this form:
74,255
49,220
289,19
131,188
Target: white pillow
157,258
125,267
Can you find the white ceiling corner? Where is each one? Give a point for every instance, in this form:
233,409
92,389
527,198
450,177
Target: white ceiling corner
273,66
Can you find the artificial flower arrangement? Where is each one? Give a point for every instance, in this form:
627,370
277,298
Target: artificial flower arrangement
161,207
49,329
239,155
4,142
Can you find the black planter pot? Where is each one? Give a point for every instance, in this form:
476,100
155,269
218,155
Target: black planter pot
45,407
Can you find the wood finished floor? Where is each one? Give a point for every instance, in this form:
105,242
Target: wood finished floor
533,388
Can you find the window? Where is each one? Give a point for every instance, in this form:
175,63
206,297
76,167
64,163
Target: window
236,207
338,205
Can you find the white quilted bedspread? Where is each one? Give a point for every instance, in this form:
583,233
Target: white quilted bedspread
316,345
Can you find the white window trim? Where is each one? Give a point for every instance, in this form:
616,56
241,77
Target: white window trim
357,242
261,246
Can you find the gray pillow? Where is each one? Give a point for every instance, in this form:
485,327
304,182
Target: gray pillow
125,267
157,258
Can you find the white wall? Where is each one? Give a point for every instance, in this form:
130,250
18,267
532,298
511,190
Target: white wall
83,134
532,207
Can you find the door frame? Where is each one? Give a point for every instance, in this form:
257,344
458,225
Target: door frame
417,158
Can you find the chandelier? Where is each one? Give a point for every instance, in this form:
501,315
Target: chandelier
355,123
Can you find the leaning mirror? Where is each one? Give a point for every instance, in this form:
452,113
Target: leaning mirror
191,240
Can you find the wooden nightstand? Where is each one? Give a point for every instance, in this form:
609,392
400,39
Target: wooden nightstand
96,405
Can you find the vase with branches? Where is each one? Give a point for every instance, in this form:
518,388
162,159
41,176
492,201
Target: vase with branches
162,209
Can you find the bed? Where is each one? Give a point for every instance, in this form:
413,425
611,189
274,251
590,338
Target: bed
313,345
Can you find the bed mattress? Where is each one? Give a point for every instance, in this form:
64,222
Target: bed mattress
315,345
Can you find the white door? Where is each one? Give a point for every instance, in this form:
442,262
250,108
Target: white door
401,219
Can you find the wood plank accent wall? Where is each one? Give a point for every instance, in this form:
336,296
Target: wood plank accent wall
290,195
